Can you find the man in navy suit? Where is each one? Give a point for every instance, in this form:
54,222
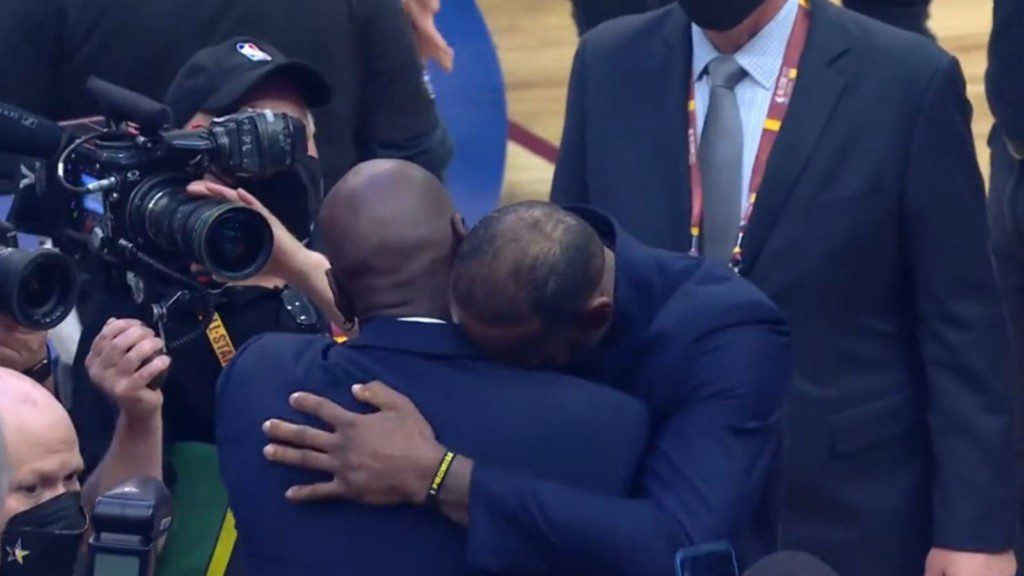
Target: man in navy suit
705,351
862,215
391,235
1004,83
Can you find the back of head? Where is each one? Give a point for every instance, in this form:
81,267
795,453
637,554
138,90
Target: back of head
527,265
390,233
789,563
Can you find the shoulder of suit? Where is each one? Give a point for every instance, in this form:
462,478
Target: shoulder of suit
634,29
886,45
714,296
268,351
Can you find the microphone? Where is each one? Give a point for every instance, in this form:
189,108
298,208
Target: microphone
26,134
123,104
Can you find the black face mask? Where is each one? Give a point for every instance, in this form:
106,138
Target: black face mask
293,196
45,540
719,15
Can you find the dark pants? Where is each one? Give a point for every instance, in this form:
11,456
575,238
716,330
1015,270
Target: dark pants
907,14
1006,215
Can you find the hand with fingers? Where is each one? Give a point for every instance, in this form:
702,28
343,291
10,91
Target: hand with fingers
942,562
20,348
384,458
429,41
125,359
288,256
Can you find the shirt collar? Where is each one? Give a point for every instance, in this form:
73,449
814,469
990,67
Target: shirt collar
441,340
422,320
762,56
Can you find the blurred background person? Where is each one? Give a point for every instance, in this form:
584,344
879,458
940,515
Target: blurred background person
42,504
381,107
1005,89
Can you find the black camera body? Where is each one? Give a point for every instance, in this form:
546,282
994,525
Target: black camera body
136,167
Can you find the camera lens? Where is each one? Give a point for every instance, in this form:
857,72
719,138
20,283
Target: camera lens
37,289
233,242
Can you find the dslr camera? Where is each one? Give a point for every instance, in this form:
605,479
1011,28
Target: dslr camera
116,186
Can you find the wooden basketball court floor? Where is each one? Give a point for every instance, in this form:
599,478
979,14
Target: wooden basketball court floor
536,40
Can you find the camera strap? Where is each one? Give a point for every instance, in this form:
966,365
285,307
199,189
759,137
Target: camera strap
220,560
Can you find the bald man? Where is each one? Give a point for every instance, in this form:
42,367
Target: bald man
42,505
391,235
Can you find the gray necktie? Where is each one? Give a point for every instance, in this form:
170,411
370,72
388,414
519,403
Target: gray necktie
721,160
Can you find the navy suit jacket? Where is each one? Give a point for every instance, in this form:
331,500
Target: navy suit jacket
554,426
708,354
869,233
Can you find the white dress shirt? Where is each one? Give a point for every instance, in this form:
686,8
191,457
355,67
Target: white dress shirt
762,59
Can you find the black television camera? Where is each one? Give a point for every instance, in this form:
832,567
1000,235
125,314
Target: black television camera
118,188
128,523
37,289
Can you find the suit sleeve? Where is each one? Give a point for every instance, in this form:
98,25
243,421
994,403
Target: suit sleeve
700,480
398,118
1005,76
960,327
570,183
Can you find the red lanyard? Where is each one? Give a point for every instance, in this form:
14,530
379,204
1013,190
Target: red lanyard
772,124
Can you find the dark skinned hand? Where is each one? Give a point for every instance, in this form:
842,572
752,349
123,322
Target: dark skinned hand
385,458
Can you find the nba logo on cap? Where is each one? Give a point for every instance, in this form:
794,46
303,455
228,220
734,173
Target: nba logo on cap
253,52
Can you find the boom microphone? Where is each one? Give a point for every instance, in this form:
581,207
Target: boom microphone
123,104
26,134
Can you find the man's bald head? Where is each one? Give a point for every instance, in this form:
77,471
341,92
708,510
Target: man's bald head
526,281
390,232
42,448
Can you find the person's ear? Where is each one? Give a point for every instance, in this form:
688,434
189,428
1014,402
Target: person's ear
342,300
597,316
459,229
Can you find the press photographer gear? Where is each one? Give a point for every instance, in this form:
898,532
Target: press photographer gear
37,289
117,187
128,523
139,168
45,540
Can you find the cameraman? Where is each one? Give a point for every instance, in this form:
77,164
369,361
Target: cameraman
148,411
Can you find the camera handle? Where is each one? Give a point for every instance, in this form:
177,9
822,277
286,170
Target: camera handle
194,297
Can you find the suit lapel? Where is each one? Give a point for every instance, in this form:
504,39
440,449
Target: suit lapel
818,90
672,60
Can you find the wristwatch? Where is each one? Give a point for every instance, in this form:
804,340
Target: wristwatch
41,372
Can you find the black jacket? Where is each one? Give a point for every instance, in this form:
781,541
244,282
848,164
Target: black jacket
870,234
364,48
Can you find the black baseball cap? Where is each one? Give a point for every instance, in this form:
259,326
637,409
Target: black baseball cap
215,78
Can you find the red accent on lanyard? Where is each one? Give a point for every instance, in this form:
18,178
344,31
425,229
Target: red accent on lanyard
773,123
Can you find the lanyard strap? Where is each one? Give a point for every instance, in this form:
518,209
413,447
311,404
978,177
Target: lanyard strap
220,340
772,124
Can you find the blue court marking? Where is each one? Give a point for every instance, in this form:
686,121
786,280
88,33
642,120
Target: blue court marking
471,101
